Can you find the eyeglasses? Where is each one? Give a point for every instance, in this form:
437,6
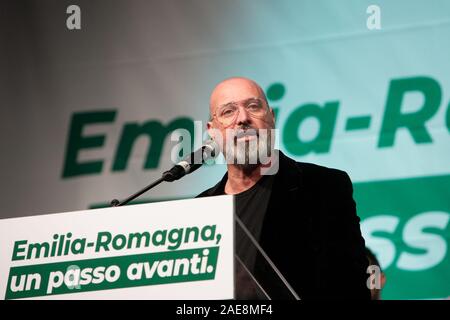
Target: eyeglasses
227,114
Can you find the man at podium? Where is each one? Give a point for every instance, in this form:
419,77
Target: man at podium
302,215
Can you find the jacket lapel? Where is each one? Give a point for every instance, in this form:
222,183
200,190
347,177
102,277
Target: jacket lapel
288,224
281,217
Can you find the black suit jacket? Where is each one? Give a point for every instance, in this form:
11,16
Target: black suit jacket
311,231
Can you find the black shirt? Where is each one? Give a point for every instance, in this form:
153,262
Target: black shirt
250,207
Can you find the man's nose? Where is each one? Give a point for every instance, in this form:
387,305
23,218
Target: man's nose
243,116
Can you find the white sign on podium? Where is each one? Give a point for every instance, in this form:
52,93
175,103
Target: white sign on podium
180,249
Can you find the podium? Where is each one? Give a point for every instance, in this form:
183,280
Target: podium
183,249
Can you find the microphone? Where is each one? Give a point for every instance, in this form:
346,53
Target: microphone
189,164
209,150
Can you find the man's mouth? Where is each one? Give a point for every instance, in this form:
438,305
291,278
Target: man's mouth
246,134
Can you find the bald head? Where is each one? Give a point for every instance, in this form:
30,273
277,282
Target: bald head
234,89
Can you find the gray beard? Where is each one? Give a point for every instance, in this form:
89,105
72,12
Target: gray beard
248,155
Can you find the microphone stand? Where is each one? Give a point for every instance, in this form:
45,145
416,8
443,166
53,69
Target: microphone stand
170,175
117,203
188,165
